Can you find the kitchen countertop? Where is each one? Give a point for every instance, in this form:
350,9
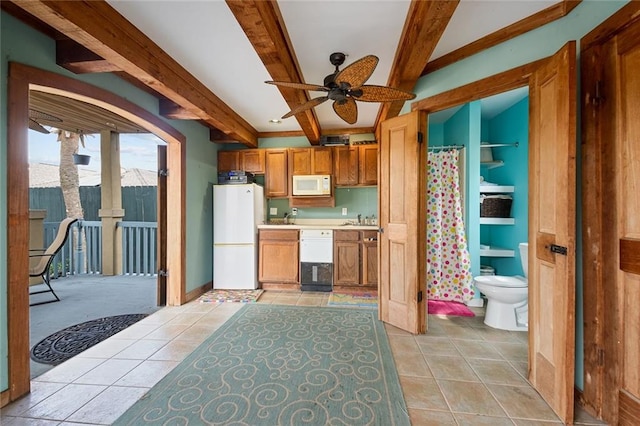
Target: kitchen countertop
335,224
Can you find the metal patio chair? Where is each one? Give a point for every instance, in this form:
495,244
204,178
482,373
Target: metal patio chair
42,269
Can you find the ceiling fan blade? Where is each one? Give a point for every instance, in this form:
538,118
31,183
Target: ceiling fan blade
34,125
301,86
39,115
305,106
371,93
358,72
348,110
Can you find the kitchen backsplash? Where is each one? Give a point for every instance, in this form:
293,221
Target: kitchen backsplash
358,201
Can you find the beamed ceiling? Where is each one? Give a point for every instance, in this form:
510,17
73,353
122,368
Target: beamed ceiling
208,60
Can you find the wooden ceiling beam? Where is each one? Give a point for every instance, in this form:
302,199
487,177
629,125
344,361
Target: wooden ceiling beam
264,26
80,60
172,110
425,24
100,28
527,24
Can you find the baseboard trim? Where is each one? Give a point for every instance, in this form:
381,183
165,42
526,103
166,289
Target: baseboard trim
197,292
4,398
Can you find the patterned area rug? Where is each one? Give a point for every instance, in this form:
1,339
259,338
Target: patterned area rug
354,300
441,307
282,365
70,341
230,296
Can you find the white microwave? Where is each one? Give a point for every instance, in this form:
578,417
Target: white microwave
311,185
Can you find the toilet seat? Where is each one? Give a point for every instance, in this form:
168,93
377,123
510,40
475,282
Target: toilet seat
502,281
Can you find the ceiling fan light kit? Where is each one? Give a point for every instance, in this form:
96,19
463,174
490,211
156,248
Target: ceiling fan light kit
346,87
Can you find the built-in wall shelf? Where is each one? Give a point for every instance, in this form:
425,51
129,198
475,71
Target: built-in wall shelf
497,221
497,252
492,164
496,189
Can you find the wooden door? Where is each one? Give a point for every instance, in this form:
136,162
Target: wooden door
552,182
346,258
368,165
346,165
300,161
623,55
402,192
161,292
253,161
321,161
228,160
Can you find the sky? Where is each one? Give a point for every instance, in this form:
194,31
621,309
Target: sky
136,150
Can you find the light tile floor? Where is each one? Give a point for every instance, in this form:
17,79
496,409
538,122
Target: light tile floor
460,373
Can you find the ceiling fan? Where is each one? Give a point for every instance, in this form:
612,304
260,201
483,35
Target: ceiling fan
345,87
35,117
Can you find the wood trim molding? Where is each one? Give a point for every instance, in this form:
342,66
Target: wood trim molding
99,28
423,27
265,28
550,14
22,79
626,16
292,133
199,291
498,83
630,255
4,398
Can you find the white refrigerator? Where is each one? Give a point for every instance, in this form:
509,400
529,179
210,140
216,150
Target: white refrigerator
238,209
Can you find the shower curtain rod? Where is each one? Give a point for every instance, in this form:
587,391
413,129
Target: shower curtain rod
482,145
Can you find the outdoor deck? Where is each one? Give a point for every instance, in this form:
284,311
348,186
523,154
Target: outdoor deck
86,297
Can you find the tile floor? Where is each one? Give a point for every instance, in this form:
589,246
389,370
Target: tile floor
460,373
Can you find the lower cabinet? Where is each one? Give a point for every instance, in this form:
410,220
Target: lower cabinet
278,259
355,259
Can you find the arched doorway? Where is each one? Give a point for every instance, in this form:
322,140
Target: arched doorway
22,79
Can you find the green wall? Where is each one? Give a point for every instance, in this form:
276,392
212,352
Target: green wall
534,45
20,43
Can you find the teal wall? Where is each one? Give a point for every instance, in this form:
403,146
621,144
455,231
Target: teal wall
531,46
22,44
512,125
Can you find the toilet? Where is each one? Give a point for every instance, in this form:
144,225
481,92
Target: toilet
507,297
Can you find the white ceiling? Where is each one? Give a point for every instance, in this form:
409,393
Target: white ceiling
205,38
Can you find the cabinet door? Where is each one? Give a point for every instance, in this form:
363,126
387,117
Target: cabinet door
228,160
321,161
275,180
346,263
368,160
346,165
278,259
253,161
370,264
300,161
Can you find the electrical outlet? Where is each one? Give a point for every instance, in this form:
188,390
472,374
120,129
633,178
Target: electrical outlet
344,211
273,211
294,211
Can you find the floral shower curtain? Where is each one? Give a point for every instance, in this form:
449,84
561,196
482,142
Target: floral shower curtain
448,261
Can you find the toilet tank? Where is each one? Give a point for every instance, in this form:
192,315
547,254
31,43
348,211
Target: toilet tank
524,257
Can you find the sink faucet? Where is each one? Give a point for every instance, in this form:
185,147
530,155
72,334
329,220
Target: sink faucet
359,219
286,218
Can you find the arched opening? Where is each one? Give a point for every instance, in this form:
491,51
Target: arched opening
22,79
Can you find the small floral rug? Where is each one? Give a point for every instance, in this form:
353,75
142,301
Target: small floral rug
230,296
354,300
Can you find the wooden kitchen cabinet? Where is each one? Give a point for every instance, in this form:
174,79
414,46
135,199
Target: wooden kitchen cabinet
228,160
278,258
346,258
311,161
355,259
253,160
370,259
249,160
276,183
356,165
368,165
346,165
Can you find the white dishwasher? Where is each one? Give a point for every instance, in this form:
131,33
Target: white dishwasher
316,260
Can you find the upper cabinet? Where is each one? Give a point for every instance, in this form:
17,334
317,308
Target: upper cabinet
249,160
356,165
311,161
276,181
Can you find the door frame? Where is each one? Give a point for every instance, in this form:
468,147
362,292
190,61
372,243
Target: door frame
22,79
601,310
